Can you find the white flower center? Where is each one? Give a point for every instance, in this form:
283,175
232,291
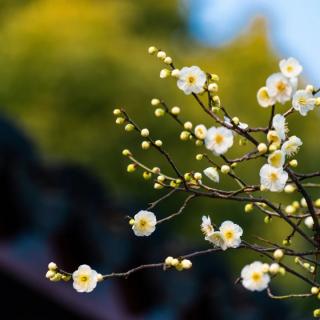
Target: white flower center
191,79
256,277
273,176
218,138
302,101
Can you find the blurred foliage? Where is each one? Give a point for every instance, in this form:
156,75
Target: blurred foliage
65,65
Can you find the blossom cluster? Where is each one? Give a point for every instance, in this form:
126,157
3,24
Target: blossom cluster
271,144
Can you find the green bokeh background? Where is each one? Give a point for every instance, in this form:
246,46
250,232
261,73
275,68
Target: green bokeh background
66,64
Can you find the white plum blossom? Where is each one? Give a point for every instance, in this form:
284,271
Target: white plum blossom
273,179
212,173
303,101
218,240
84,279
231,233
291,146
200,131
191,80
290,68
144,223
228,236
264,98
280,126
219,140
254,278
279,87
277,159
206,226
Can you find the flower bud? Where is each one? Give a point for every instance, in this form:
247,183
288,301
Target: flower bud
174,262
199,156
309,222
290,209
317,103
296,204
262,148
316,313
225,169
293,163
119,120
99,277
186,264
161,55
159,112
161,178
167,60
198,176
158,143
199,143
145,132
214,77
303,203
129,127
289,188
131,167
267,219
314,290
310,88
200,131
282,271
235,120
117,112
132,222
155,101
184,135
152,50
52,266
287,242
126,152
168,261
165,73
213,87
278,254
155,170
145,145
50,274
157,186
175,111
187,125
175,73
317,203
274,268
273,147
248,207
265,268
147,175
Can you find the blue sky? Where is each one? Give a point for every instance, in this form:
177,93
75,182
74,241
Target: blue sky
293,26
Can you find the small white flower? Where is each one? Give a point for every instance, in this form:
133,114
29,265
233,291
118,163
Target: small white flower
241,125
84,279
279,87
303,101
144,223
191,80
200,131
290,68
277,159
219,140
206,226
291,146
253,277
231,233
212,174
309,222
264,98
217,239
280,126
273,179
